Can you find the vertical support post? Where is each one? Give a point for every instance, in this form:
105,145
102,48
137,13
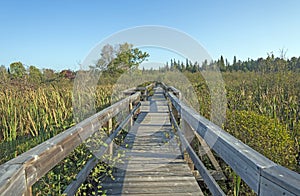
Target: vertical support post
28,191
189,135
176,113
130,107
137,102
146,94
109,127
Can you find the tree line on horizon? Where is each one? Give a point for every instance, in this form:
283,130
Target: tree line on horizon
263,65
17,71
116,60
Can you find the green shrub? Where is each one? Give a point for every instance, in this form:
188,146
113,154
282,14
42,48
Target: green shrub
263,134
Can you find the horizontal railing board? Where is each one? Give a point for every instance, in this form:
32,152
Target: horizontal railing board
17,182
246,162
280,176
39,160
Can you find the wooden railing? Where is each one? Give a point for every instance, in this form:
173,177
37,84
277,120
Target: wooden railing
262,175
19,174
144,90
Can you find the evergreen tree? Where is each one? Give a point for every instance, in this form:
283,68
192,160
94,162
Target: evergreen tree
221,64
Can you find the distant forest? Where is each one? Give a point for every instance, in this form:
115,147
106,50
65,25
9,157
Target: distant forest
17,71
264,65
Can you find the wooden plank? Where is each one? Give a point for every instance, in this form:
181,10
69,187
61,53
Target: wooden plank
170,159
193,193
217,175
13,180
148,173
208,152
142,166
133,179
277,180
39,166
160,190
164,168
270,188
143,184
147,184
145,187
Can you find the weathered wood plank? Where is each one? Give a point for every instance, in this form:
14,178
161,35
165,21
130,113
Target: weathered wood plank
274,181
146,184
132,179
194,193
181,173
160,190
207,150
13,180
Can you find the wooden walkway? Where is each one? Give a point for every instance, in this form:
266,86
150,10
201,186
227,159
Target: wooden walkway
153,163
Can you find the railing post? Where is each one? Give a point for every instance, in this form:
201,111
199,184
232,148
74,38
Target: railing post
146,93
189,135
176,113
28,191
109,127
137,102
130,107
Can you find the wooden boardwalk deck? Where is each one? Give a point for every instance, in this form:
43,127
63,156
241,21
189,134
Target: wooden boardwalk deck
153,163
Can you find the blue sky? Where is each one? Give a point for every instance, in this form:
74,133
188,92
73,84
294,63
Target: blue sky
58,34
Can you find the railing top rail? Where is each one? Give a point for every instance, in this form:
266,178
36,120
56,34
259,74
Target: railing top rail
131,91
24,170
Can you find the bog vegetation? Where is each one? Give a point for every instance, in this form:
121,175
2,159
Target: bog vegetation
263,110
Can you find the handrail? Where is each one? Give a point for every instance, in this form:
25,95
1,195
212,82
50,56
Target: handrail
261,174
19,174
143,89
